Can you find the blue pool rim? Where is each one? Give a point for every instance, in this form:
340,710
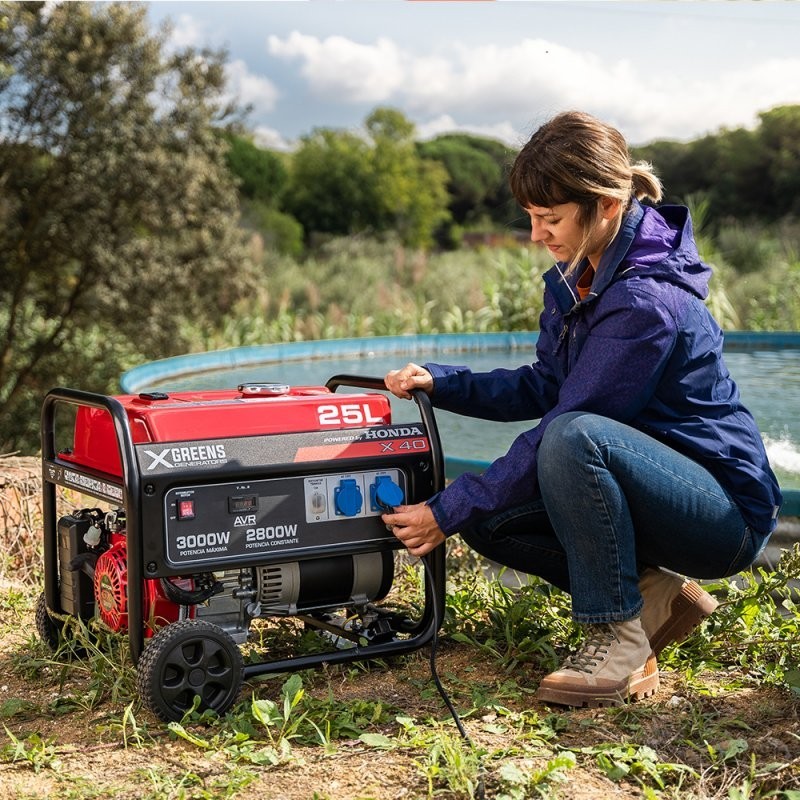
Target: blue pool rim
145,376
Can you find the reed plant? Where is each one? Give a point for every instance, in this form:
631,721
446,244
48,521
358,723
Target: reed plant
360,287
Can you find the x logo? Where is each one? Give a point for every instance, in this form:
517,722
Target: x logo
388,447
158,458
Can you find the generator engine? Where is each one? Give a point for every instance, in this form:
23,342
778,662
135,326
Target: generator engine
224,507
230,599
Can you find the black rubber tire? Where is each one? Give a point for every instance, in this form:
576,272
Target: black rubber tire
48,629
189,658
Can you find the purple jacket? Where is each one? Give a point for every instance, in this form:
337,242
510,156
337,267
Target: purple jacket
642,349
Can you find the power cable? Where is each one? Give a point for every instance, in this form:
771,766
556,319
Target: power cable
480,790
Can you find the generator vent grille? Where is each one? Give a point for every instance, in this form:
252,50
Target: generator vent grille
279,584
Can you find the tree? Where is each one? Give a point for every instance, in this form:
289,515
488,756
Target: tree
262,174
780,136
344,183
684,169
118,217
747,174
738,188
477,176
411,191
330,187
262,177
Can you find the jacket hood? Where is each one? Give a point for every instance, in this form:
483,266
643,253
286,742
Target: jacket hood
656,243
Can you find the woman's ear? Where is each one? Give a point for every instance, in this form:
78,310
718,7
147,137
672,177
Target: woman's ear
609,207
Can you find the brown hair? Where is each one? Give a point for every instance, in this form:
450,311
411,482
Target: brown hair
576,158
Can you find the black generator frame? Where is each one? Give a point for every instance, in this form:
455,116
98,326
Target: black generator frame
129,494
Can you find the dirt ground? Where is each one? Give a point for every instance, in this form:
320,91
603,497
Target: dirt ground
53,750
89,757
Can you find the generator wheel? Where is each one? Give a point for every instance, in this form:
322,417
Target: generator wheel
187,659
48,629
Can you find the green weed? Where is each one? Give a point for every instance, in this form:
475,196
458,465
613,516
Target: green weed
89,655
451,762
513,625
638,763
447,761
263,732
39,753
190,786
519,781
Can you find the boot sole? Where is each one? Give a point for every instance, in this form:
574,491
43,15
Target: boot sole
641,684
689,608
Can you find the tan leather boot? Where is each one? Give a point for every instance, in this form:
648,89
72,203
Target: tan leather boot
673,606
614,665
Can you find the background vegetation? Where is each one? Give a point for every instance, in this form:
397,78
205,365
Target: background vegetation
139,219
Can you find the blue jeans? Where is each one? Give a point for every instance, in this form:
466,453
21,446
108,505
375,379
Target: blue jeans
614,500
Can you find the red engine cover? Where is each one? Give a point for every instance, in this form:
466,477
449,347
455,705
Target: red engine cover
191,416
110,587
111,594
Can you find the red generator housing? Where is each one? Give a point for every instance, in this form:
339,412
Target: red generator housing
225,506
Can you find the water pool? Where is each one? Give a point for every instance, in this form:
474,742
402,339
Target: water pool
766,368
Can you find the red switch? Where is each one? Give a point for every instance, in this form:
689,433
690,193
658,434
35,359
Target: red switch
186,509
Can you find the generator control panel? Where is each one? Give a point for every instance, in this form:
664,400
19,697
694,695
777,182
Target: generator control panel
278,518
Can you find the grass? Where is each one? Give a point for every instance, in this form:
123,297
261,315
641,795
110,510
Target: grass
725,724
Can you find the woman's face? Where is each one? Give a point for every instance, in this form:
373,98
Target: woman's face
559,229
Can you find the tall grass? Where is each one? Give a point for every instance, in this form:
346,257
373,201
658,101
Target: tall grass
361,287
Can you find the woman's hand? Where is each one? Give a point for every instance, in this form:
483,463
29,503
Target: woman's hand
401,382
416,527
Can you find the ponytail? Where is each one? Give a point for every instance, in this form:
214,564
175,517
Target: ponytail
645,182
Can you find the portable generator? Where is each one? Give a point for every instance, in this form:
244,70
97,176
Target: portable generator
220,508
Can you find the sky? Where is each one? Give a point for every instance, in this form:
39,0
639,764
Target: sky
656,70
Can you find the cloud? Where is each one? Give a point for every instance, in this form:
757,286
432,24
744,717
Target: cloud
271,139
497,78
186,32
731,99
354,72
523,84
250,89
502,131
